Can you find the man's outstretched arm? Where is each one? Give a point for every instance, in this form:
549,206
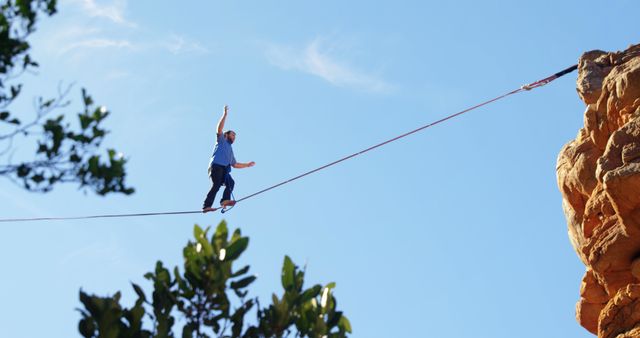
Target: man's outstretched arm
220,126
243,165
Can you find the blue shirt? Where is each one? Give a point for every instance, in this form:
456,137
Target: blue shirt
222,153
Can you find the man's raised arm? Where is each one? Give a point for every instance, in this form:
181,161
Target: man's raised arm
222,119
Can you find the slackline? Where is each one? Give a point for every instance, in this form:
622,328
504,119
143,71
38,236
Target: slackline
525,87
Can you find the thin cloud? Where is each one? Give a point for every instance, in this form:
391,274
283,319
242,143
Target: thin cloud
78,40
101,251
114,33
180,44
97,43
117,75
113,12
18,203
315,59
73,39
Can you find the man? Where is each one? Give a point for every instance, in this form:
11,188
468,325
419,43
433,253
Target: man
220,166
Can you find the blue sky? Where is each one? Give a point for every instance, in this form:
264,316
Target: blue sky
457,231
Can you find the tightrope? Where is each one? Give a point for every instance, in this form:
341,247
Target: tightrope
522,88
100,216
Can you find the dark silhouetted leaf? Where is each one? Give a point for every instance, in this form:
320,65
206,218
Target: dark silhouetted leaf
243,283
139,292
241,271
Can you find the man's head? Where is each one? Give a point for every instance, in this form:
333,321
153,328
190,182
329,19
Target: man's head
230,135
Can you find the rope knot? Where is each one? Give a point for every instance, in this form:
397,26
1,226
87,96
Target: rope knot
526,87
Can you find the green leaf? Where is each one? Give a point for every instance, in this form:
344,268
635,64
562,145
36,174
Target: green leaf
240,294
243,283
299,280
85,121
85,299
15,90
87,327
288,270
238,318
139,291
191,263
25,9
197,232
219,239
46,104
201,237
334,319
235,249
187,330
162,274
86,98
94,164
23,171
213,323
344,324
241,271
236,235
310,294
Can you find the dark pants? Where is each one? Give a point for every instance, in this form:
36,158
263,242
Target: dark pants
219,176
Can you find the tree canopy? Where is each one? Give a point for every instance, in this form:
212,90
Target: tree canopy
63,152
209,298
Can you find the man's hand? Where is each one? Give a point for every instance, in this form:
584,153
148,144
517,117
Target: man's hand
220,126
251,164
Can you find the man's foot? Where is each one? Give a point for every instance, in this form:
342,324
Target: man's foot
227,203
207,209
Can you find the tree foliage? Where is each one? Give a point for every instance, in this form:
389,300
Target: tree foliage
210,299
63,152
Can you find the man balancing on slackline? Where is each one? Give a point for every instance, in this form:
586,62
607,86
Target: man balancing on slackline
220,166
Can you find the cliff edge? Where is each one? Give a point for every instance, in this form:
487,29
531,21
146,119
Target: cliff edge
599,178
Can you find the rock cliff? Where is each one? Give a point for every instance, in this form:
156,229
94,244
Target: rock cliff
599,178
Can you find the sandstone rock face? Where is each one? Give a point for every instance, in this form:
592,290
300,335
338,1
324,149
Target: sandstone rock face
599,177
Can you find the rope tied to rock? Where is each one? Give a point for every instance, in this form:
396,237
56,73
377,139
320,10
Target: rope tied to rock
545,81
